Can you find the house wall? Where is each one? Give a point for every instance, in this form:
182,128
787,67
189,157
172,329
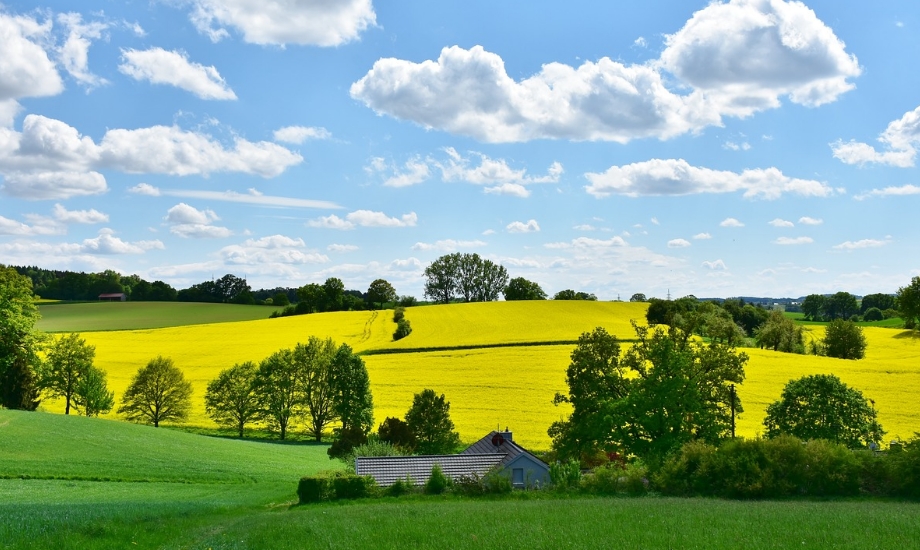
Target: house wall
535,472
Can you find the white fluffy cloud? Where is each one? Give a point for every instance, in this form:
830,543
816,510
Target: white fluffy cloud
300,134
743,55
892,191
900,139
108,243
678,243
38,226
716,265
702,236
864,243
252,198
341,248
25,68
731,222
52,160
159,66
280,22
791,241
806,220
189,222
734,59
74,53
531,226
678,177
779,222
274,250
415,171
448,245
588,243
91,216
364,218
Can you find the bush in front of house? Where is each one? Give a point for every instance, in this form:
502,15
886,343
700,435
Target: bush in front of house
565,475
437,482
326,486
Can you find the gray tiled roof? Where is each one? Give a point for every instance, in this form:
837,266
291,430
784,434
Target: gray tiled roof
387,469
508,448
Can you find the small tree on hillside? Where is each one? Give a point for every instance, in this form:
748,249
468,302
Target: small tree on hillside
429,421
69,360
231,399
380,292
314,364
158,392
638,297
397,433
780,333
277,392
92,395
844,340
909,303
353,403
520,288
822,407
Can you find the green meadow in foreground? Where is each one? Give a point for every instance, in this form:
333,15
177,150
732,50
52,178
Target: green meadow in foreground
93,316
79,483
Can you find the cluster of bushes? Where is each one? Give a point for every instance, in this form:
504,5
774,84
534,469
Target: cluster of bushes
787,466
611,478
403,327
335,486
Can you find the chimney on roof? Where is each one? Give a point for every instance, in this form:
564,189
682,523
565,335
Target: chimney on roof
506,434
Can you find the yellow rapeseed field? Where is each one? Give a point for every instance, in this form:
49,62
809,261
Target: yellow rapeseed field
498,386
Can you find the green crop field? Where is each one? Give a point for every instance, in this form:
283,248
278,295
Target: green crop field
78,483
100,316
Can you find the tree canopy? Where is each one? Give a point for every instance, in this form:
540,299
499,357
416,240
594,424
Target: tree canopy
780,333
68,362
18,341
231,399
844,340
664,391
381,291
821,406
467,277
520,288
429,421
909,303
158,392
569,294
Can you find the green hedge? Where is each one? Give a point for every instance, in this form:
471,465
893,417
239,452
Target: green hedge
335,486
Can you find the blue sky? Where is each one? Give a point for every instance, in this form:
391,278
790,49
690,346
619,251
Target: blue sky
750,147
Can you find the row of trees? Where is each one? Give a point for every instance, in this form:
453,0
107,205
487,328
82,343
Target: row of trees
466,277
668,389
70,285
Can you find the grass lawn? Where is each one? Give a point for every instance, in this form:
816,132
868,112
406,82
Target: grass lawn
169,489
894,322
96,316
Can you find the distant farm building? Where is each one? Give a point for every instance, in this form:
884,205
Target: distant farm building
496,450
119,297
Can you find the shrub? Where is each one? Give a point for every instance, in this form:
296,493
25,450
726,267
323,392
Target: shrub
317,488
497,482
873,314
403,329
635,481
399,313
686,472
346,442
905,469
407,301
437,482
353,486
604,480
373,447
831,469
469,485
396,432
565,475
400,487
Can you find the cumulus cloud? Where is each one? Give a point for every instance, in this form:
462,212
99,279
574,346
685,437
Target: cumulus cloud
806,220
91,216
108,243
791,241
74,53
38,226
678,243
341,248
588,243
864,243
281,22
677,177
364,218
189,222
731,222
300,134
779,222
531,226
900,141
416,170
253,197
52,160
145,189
25,68
448,245
173,68
899,191
702,236
510,189
274,250
732,59
716,265
480,169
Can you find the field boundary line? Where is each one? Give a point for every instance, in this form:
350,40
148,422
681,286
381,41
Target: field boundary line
392,351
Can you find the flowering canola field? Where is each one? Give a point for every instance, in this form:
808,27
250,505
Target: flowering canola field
496,386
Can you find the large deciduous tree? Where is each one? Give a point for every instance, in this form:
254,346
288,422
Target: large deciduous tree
353,403
314,364
909,303
158,392
429,421
465,276
231,399
380,292
813,307
780,333
821,406
68,361
664,391
18,341
520,288
844,340
278,390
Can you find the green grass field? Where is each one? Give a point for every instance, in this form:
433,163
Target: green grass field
894,322
179,490
98,316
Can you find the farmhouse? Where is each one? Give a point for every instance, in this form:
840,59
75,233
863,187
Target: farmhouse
497,449
119,297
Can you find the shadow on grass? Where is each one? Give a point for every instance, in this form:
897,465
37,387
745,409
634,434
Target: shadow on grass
256,436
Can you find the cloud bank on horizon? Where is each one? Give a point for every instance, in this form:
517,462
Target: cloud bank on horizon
602,148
